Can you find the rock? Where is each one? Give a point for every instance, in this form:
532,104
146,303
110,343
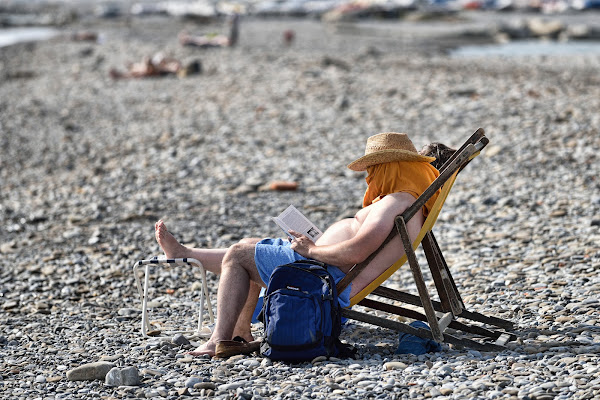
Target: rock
8,247
318,359
180,340
232,386
91,371
127,376
392,365
204,385
194,380
10,305
444,370
129,312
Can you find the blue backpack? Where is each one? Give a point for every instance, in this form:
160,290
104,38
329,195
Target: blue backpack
301,314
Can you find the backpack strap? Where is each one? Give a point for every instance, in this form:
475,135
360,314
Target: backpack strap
313,262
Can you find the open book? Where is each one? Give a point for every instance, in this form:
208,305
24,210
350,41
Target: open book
293,219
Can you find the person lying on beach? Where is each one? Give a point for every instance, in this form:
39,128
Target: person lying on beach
157,65
207,41
397,175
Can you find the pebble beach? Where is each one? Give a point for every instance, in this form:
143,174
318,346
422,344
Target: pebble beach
88,163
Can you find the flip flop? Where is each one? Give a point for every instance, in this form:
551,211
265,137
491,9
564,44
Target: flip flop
238,345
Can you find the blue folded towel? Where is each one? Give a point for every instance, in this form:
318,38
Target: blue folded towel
416,345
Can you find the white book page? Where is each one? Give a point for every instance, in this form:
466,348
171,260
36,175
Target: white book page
283,226
293,219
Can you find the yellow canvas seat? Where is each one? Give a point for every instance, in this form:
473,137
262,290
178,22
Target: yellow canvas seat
450,306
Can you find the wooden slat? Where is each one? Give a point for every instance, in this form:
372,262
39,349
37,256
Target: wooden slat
423,333
475,137
444,265
447,292
415,300
406,312
419,281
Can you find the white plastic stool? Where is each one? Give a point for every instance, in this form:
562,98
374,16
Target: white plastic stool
202,331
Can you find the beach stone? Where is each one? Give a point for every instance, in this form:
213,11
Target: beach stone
393,365
318,359
444,370
192,381
91,371
180,340
203,385
128,376
10,305
128,312
446,391
232,386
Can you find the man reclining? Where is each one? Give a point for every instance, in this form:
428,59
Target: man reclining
397,175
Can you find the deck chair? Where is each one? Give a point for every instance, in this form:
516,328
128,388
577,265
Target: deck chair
450,307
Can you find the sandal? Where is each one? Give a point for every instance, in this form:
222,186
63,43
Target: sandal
238,345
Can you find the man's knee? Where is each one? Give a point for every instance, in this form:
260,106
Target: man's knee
250,240
239,254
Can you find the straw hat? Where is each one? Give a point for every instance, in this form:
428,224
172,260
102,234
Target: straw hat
388,147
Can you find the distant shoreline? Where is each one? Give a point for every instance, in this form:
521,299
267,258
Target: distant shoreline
427,35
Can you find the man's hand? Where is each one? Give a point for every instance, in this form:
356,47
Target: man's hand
301,244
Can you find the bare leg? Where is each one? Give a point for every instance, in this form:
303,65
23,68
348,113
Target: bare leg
244,322
211,259
239,270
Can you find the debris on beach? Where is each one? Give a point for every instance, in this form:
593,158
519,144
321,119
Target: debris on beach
283,185
85,36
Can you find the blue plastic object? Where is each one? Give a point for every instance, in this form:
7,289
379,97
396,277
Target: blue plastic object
411,344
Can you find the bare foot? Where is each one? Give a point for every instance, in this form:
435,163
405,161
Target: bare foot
208,348
167,242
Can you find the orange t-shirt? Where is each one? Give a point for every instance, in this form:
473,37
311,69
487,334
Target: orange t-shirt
400,176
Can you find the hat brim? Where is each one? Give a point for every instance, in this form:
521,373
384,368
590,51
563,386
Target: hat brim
385,156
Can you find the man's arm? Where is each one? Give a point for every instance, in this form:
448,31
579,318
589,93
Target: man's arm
374,230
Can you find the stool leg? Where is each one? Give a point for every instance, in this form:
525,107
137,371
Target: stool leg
145,323
211,314
201,306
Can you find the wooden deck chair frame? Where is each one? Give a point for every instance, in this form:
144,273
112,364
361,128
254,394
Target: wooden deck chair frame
450,305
